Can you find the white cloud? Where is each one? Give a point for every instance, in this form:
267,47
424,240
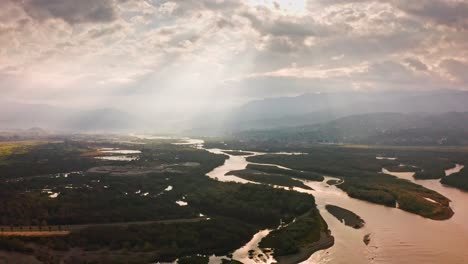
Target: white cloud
104,51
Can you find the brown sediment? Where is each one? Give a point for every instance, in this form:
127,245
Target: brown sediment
93,154
367,239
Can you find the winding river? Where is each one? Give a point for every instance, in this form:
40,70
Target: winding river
396,236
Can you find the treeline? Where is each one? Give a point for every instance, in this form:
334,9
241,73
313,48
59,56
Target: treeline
447,129
251,203
46,158
87,198
459,180
362,180
304,231
429,162
310,176
166,153
236,211
269,178
164,242
90,199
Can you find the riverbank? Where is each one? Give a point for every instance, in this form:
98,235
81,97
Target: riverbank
363,180
238,153
268,178
298,240
326,241
347,217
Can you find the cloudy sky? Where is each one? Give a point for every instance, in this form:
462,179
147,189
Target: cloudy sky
191,54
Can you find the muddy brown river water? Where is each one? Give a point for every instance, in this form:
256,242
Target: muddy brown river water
396,236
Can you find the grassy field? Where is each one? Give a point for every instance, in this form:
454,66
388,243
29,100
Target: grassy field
8,148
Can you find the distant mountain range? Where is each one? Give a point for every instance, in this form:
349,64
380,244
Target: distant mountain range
377,129
297,113
317,108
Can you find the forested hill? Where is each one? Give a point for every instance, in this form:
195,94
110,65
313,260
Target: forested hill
378,128
316,108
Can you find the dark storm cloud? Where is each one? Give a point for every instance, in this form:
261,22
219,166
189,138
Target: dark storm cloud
72,11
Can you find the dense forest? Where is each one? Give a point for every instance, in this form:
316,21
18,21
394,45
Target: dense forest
304,175
458,180
290,239
268,178
129,208
361,171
